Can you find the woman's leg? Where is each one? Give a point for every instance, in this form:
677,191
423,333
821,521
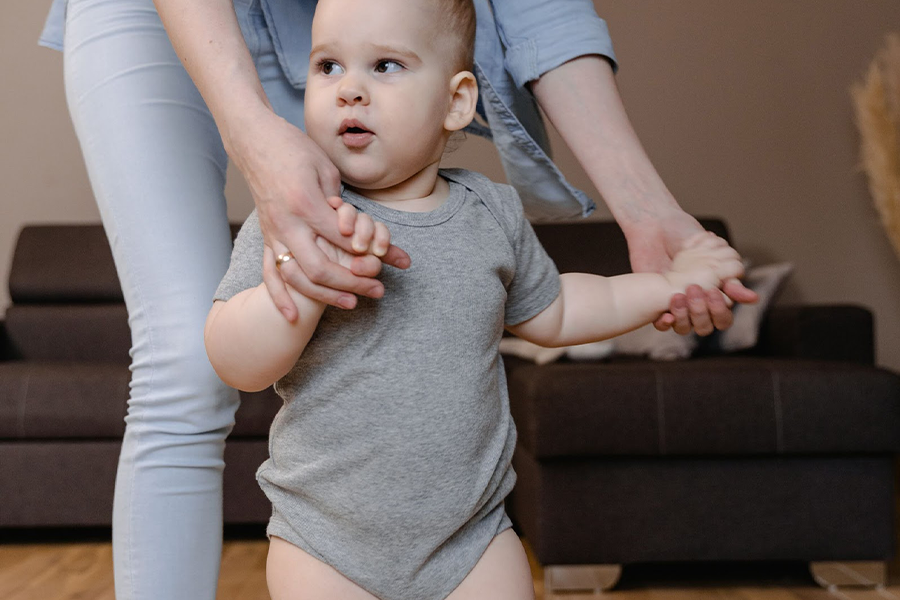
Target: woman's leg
502,573
157,167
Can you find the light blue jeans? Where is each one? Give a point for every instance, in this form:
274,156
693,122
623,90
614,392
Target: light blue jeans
157,167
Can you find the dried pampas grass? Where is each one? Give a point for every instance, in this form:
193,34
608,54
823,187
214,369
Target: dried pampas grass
877,102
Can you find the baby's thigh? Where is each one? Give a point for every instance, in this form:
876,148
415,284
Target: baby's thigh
502,573
293,574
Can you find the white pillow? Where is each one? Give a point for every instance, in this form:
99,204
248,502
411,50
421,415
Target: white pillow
744,333
645,341
524,349
668,345
654,344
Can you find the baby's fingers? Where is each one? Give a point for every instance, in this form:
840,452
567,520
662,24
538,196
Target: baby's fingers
382,240
704,240
347,216
732,268
363,234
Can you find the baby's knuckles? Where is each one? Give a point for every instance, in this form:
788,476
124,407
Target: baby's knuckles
334,253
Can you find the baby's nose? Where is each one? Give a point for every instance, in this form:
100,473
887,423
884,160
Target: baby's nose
352,93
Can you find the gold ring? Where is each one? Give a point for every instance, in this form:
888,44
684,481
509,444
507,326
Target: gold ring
283,258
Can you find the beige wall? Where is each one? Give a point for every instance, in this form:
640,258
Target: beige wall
742,105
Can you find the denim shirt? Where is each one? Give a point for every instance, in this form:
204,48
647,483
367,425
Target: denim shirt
516,41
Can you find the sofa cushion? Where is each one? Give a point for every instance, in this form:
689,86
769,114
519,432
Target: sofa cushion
716,406
77,400
61,484
255,414
62,400
59,332
63,263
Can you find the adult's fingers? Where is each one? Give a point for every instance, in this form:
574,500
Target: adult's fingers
366,265
314,207
298,279
319,271
276,287
333,230
678,307
722,317
329,177
700,317
396,257
736,291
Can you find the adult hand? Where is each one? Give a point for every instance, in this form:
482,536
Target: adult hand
651,246
582,101
291,180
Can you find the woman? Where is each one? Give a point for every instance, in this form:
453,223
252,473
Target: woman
160,104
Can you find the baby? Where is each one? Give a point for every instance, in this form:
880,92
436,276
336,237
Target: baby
390,459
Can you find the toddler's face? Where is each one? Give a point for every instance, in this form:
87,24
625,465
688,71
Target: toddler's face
378,90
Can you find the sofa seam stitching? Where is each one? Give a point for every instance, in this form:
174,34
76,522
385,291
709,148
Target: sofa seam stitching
660,412
777,406
20,424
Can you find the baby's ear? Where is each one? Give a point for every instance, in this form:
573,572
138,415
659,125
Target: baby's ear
463,99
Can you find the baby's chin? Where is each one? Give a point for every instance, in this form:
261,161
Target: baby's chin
370,179
363,184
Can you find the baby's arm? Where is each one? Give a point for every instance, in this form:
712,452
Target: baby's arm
590,308
249,342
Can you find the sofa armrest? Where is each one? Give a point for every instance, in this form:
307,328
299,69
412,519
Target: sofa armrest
826,332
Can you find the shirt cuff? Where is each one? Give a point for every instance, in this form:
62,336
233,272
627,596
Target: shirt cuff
528,60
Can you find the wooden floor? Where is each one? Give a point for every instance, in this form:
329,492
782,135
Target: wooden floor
82,570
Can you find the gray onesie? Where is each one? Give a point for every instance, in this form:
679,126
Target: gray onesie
390,458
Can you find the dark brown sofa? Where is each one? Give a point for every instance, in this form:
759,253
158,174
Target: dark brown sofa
64,387
784,452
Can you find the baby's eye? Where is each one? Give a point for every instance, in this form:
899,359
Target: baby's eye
388,66
329,67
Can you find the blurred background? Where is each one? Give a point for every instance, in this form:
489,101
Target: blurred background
744,107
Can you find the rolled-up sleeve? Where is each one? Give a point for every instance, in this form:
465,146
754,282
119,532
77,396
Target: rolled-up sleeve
540,35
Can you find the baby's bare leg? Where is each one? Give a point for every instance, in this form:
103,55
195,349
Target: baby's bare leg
293,574
501,574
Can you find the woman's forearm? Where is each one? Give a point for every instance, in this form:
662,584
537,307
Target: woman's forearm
249,342
209,42
582,101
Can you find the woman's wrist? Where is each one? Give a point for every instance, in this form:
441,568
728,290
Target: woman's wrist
239,124
642,213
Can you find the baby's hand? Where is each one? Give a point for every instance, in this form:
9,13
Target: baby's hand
705,260
371,238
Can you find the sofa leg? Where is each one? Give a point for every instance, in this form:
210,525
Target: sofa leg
569,578
849,574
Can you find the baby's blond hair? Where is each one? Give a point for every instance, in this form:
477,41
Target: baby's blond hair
458,21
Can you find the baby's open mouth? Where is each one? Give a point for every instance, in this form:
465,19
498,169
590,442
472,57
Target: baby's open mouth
352,126
354,134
